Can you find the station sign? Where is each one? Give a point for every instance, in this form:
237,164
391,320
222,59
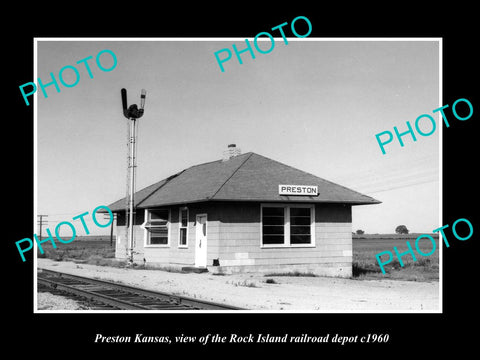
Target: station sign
302,190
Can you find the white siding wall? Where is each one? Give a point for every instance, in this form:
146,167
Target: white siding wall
234,237
173,254
331,255
333,244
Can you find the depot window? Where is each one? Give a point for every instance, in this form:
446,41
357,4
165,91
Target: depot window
183,227
157,227
287,225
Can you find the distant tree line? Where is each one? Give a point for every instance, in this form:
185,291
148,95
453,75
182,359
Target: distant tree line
400,229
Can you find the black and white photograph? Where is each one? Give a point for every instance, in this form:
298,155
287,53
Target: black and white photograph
265,179
298,179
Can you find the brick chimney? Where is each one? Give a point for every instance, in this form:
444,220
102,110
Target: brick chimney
231,152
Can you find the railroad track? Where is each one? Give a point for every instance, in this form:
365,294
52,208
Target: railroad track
109,295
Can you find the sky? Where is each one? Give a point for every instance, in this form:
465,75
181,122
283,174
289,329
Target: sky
313,104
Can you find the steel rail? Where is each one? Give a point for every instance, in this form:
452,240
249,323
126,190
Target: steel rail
169,300
91,295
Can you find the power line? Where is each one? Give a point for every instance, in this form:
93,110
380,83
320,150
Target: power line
402,186
394,176
381,174
396,182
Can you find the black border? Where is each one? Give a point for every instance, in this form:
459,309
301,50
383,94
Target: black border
409,333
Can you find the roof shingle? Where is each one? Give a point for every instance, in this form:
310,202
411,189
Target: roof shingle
246,177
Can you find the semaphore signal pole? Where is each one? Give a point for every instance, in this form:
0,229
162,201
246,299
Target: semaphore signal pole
132,113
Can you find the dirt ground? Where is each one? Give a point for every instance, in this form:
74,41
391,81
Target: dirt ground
250,291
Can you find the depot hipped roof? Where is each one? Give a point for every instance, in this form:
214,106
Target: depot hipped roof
246,177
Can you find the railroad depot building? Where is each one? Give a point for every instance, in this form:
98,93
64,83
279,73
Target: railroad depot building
243,213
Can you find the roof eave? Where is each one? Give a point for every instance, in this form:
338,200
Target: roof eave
347,202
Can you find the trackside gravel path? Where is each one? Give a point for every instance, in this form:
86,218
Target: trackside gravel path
302,294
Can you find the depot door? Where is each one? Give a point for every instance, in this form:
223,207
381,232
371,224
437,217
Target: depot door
201,240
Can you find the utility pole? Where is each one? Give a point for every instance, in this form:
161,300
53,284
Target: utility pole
132,113
41,222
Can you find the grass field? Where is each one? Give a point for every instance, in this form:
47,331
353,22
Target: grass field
91,249
97,250
365,265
